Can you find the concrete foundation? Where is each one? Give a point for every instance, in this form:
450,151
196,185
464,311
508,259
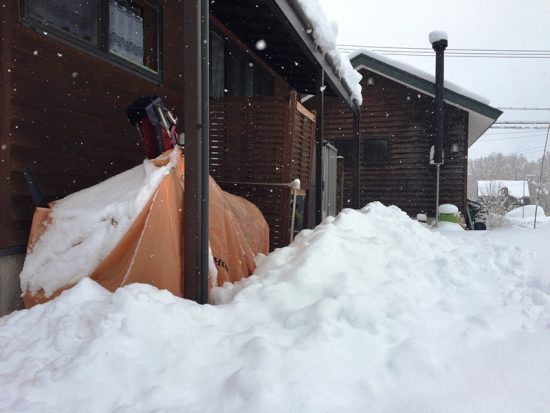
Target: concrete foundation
10,289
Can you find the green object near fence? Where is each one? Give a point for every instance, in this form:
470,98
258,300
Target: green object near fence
454,218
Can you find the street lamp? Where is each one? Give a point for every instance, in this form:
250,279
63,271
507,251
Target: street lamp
439,42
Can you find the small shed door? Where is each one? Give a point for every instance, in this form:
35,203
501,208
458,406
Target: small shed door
330,159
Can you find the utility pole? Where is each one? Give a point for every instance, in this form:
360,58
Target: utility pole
540,179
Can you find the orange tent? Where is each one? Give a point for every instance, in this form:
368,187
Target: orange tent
150,251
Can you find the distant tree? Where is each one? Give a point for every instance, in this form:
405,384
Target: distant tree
499,166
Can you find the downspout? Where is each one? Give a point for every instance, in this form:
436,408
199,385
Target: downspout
356,158
319,143
196,127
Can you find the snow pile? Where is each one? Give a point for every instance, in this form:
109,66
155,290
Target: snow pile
528,211
369,311
448,209
525,216
438,35
324,33
448,226
87,225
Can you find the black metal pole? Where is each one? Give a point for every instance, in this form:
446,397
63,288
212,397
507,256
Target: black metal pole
356,160
319,143
439,47
205,173
439,44
196,128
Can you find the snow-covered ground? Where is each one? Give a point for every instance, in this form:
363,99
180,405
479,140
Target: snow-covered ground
371,311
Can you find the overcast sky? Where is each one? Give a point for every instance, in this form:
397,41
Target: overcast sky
470,24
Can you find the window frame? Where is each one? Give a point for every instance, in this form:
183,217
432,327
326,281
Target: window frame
101,50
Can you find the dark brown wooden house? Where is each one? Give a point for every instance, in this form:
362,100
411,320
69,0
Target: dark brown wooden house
396,133
69,71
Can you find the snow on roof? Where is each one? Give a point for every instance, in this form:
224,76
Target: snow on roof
418,72
517,189
324,33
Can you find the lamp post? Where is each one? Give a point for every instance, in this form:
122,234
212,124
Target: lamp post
439,42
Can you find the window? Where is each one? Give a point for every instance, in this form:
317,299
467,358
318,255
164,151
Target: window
233,73
376,150
217,64
126,32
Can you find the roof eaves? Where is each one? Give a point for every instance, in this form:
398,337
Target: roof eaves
299,25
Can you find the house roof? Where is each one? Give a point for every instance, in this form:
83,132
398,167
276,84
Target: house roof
291,47
481,115
517,189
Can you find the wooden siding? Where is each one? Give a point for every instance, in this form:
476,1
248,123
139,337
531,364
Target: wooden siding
67,116
404,116
6,66
257,147
63,114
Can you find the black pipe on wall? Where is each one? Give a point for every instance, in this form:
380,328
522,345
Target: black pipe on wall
439,46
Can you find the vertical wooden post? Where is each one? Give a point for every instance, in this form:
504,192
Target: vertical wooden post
196,128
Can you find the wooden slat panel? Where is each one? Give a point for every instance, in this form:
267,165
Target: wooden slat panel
262,140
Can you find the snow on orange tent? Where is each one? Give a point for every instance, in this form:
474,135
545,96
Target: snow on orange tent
150,249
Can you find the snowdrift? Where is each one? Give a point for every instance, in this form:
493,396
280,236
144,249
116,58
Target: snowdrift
370,311
128,229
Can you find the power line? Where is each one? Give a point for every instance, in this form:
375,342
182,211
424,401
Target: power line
491,132
522,108
467,53
524,122
464,55
532,151
519,127
452,49
509,138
